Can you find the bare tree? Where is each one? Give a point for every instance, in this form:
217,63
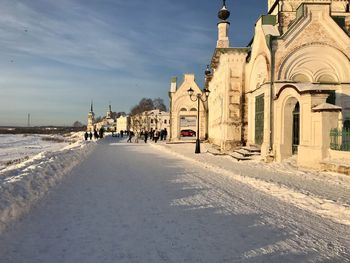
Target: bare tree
145,104
77,124
159,104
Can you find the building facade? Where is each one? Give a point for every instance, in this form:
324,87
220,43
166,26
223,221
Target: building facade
123,123
183,111
285,92
289,87
150,120
108,122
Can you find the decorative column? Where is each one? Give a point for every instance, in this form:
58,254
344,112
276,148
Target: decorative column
324,117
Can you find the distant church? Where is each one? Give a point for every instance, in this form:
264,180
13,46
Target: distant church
108,122
91,119
288,88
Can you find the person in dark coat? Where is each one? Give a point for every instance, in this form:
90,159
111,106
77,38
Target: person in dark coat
121,133
131,134
96,135
165,134
151,133
156,136
101,132
86,136
90,135
145,136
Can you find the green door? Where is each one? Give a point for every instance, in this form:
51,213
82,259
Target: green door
259,119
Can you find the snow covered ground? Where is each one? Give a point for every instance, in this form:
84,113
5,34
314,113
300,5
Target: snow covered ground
326,194
162,203
33,164
20,147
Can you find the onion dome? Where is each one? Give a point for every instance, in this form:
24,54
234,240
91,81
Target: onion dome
207,71
224,13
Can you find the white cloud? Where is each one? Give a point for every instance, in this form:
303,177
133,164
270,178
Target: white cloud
75,37
66,52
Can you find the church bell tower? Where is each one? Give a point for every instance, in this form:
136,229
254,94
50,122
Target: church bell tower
109,112
91,118
223,27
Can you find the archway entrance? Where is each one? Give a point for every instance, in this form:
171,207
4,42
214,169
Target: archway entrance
187,127
296,128
290,128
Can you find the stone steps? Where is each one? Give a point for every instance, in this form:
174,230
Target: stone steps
337,166
243,154
239,157
252,149
246,153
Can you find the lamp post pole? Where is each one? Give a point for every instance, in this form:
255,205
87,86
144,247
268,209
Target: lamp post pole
198,97
198,145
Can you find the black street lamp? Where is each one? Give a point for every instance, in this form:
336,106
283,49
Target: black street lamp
198,97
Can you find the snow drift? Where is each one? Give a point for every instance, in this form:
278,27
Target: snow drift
24,184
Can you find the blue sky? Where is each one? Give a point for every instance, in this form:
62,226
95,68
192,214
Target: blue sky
58,55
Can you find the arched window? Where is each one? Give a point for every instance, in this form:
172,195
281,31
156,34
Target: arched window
301,78
183,109
193,109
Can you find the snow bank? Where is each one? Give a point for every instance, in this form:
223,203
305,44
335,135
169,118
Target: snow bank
23,184
336,212
16,148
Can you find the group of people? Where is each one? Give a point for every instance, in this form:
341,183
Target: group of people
153,135
97,134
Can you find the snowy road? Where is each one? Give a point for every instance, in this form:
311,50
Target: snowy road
135,203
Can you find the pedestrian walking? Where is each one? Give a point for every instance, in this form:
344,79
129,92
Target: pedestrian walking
101,132
151,133
130,137
165,134
90,135
86,135
96,135
121,133
136,137
156,136
145,136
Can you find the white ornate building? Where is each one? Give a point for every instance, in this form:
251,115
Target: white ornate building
183,111
108,122
123,123
289,87
150,120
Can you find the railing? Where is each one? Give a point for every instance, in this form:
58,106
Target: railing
340,140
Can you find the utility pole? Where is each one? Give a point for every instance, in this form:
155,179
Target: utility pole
28,123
